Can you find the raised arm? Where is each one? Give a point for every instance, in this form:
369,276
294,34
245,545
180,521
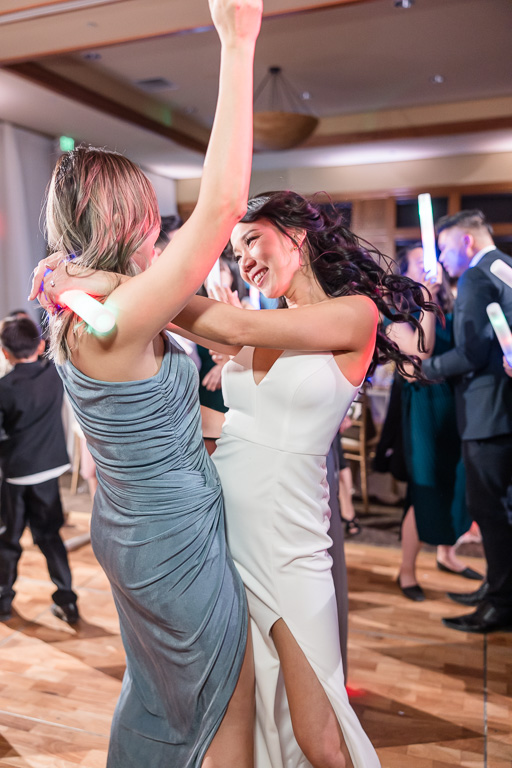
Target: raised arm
474,335
145,304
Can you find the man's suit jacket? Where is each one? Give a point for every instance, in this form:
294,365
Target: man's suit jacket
483,391
30,420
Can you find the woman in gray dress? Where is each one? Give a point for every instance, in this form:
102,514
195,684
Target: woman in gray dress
157,525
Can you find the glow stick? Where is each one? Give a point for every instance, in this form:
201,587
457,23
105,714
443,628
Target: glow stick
101,319
501,329
428,234
503,271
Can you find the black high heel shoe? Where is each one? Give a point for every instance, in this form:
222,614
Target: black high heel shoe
352,527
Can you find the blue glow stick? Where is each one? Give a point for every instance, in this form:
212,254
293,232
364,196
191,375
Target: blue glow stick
428,234
501,329
503,271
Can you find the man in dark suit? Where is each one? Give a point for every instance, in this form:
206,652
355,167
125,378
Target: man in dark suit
484,409
32,457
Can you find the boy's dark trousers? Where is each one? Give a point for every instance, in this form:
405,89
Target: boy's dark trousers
39,507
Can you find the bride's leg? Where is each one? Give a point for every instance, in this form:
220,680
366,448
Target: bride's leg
314,721
233,744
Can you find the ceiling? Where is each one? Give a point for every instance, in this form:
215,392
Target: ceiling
367,66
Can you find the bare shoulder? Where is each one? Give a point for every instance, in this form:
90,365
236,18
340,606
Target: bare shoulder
357,305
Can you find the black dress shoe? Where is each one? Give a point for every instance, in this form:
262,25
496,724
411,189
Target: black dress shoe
470,598
467,573
485,619
68,613
413,592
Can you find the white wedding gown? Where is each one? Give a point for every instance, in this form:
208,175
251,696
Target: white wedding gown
271,459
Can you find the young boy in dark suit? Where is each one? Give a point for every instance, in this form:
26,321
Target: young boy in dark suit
32,457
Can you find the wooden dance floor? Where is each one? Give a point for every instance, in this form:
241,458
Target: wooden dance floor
428,697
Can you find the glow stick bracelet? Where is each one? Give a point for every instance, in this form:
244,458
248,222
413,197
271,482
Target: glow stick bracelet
503,271
428,234
501,329
101,319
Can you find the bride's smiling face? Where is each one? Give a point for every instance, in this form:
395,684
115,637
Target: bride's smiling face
267,258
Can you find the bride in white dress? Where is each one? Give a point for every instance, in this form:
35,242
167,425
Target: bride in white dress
291,380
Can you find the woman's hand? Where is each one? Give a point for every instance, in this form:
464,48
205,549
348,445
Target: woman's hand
213,379
50,279
225,295
433,284
38,284
236,21
507,368
219,358
65,276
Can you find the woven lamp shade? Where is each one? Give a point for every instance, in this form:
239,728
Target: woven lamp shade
275,131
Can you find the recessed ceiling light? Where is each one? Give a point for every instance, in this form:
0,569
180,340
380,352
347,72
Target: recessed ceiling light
404,3
306,95
437,79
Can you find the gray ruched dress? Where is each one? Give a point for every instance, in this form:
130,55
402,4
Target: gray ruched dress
158,532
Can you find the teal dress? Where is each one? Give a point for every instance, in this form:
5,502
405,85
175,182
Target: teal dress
158,532
432,448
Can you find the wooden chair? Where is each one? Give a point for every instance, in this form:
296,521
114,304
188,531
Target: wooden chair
360,442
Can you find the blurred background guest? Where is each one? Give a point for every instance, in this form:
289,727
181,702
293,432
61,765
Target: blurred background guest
435,507
210,370
483,394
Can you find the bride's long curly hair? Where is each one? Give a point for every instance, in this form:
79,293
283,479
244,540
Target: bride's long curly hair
344,265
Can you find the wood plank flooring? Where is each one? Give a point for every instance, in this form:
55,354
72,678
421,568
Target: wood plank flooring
428,697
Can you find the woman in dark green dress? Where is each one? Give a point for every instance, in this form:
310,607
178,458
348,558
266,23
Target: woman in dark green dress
436,511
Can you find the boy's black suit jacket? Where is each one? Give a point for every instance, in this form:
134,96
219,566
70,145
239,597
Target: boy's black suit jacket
31,421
